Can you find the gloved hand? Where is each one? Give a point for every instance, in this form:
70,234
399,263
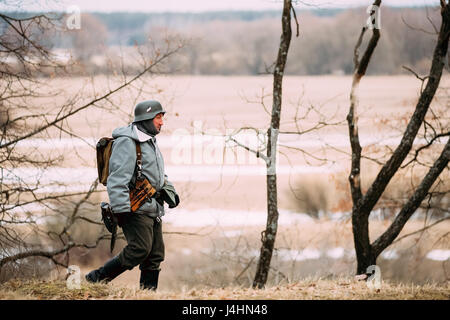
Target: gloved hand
122,218
177,201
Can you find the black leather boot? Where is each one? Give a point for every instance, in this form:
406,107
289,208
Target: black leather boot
106,273
149,279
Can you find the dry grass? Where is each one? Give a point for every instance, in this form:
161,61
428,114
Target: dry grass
309,289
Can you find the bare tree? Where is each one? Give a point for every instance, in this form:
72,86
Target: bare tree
268,143
364,203
268,236
267,148
35,111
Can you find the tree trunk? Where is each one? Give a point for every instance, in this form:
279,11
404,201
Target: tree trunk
360,218
363,249
269,235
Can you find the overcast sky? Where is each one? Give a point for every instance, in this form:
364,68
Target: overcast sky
191,5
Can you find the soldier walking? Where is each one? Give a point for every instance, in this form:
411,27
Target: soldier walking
143,227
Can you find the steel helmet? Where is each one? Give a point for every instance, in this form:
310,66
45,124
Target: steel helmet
146,110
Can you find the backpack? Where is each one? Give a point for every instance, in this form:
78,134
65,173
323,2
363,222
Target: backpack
104,150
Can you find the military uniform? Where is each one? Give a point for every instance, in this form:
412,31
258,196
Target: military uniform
142,228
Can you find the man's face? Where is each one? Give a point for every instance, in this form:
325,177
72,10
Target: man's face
158,121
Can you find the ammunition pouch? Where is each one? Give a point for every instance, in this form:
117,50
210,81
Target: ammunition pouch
142,189
141,192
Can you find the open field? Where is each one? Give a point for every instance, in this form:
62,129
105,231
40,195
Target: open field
221,105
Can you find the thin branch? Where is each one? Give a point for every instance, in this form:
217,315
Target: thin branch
417,76
92,102
420,230
296,21
437,136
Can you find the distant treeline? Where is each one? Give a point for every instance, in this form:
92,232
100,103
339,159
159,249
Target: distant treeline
246,42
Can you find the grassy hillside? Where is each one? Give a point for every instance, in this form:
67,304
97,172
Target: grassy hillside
322,289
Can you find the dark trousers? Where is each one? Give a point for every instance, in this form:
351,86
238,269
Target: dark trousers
145,245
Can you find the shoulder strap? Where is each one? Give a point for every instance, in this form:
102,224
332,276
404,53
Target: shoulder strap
138,151
139,160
